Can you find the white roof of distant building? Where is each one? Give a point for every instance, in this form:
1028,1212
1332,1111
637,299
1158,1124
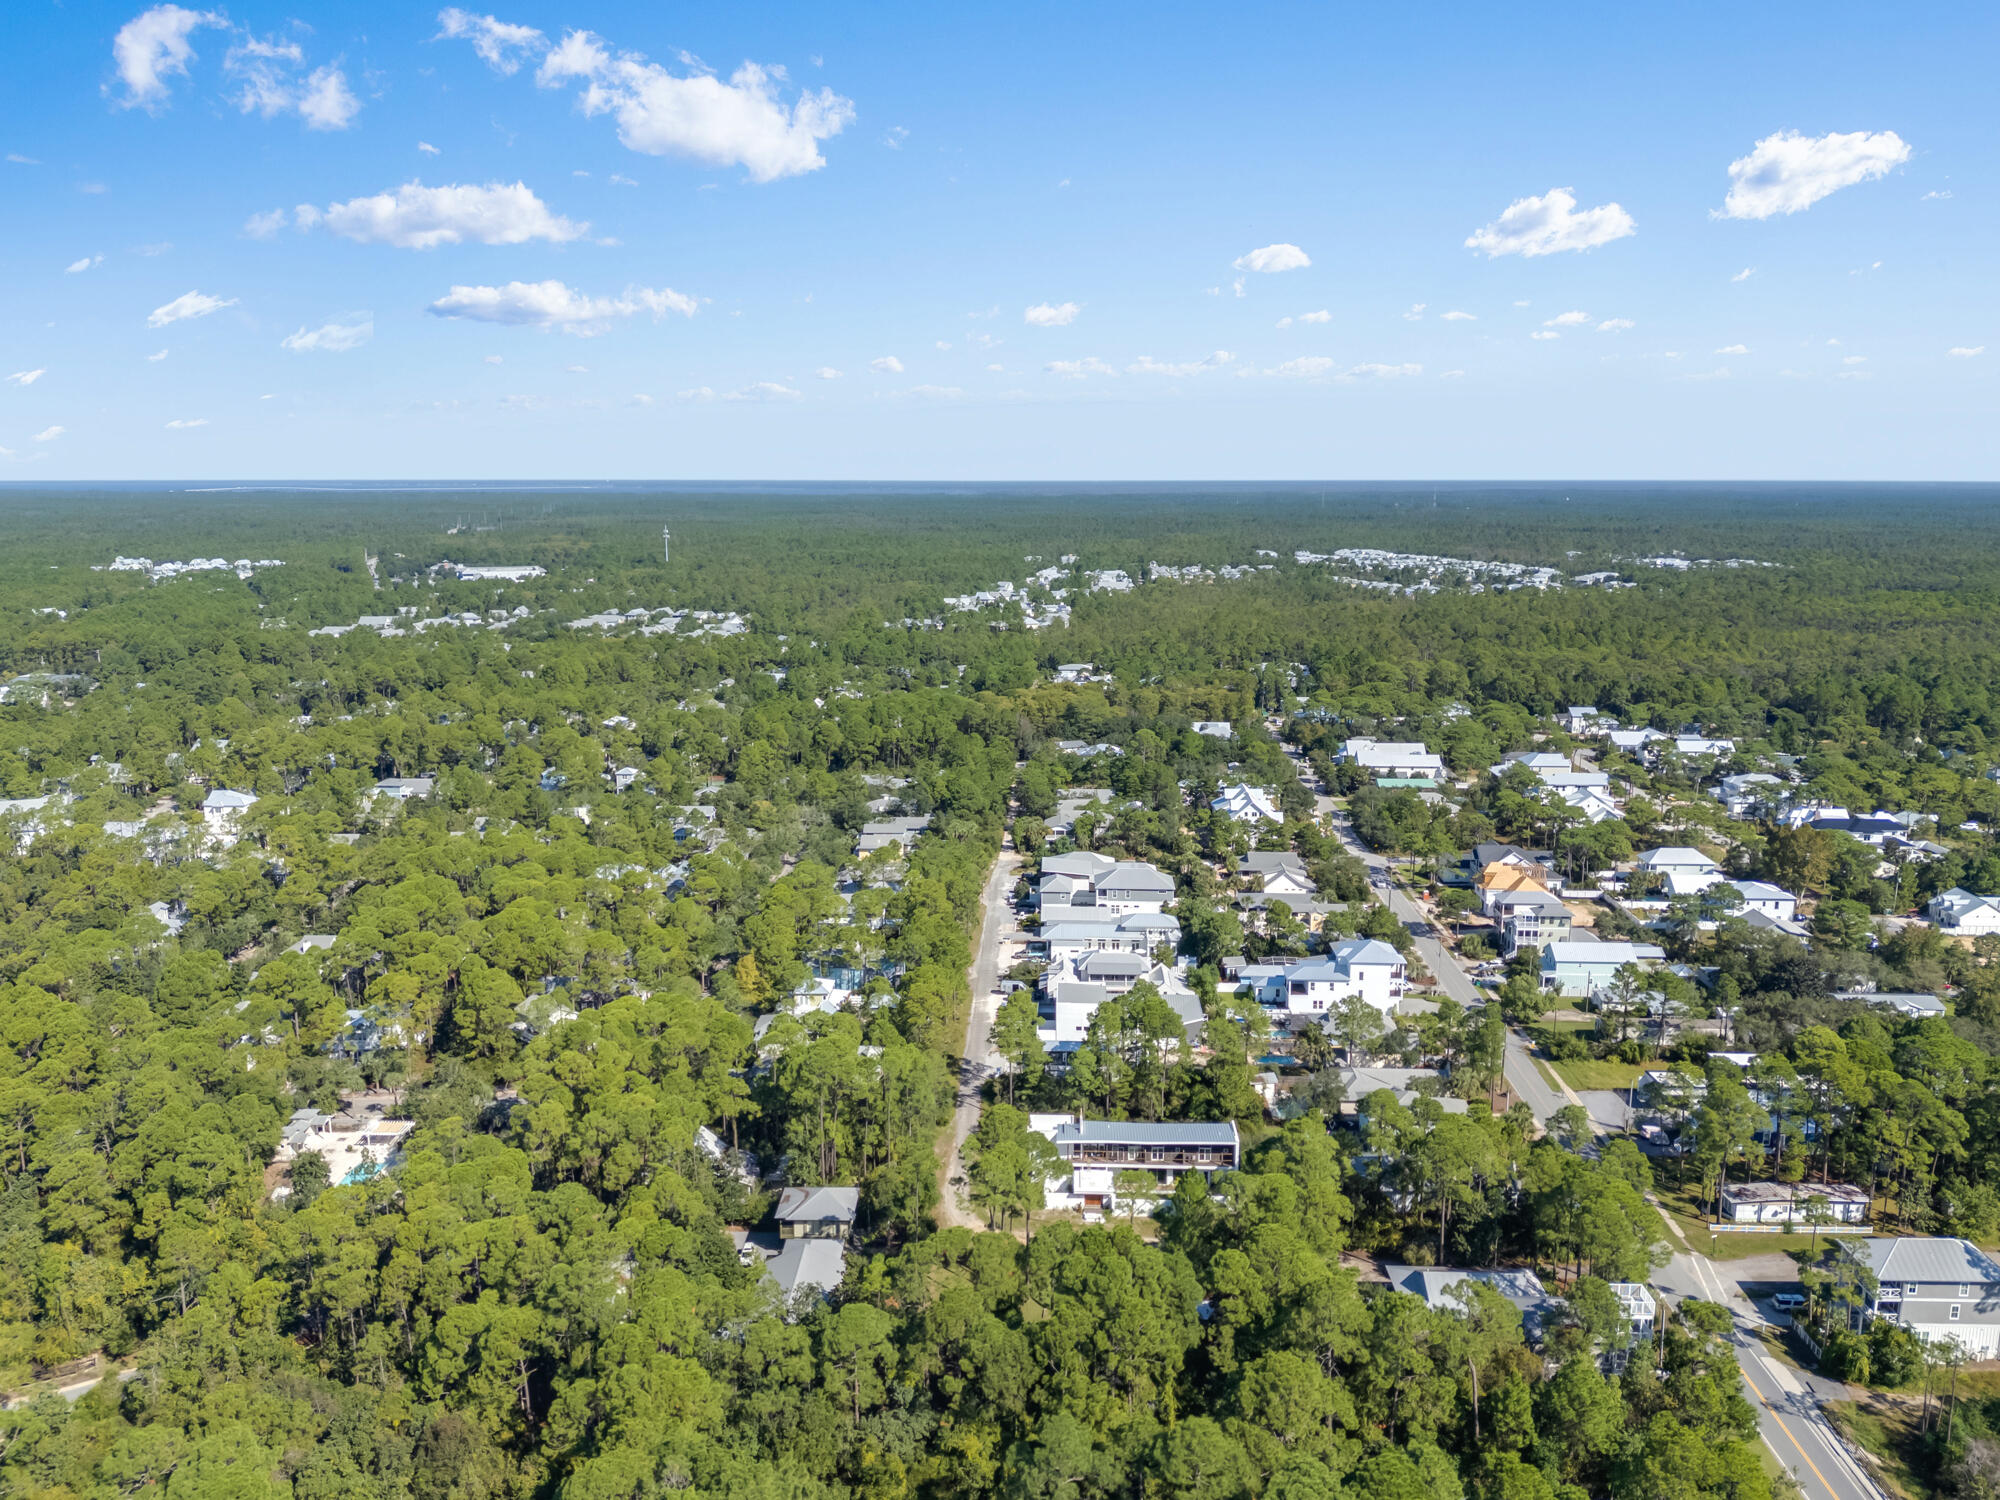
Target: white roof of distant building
224,797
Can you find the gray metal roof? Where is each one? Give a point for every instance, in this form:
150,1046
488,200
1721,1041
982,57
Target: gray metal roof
1148,1133
819,1203
819,1264
1926,1258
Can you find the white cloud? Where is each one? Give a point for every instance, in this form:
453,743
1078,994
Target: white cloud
1455,316
1550,224
1416,313
640,398
264,226
1306,367
501,46
271,85
576,369
152,46
943,345
1542,333
187,305
1321,316
1745,274
551,304
1567,320
1521,304
22,161
826,372
49,434
85,264
1451,374
996,369
895,138
1734,349
495,359
698,393
153,359
742,122
1078,369
334,337
25,377
1145,364
1381,372
1052,314
763,390
936,392
619,179
1966,351
1788,172
1237,287
1615,325
415,217
1271,259
1927,197
1855,359
160,248
1284,322
888,364
181,424
428,149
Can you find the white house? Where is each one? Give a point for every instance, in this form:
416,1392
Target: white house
1698,745
1786,1202
1771,900
1074,989
1594,802
513,573
1750,792
1960,913
1634,741
1683,871
222,810
1399,758
1215,729
1364,967
1582,722
1141,933
1277,873
1100,887
1247,804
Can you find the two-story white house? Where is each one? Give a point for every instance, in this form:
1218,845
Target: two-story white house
1243,803
1682,871
1142,933
1960,913
1099,887
1393,758
1364,967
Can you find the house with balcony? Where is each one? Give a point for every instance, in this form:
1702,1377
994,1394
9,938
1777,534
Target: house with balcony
1937,1287
1364,967
1582,969
1531,917
1095,1151
1143,933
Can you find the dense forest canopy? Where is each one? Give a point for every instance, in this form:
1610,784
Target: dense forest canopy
573,986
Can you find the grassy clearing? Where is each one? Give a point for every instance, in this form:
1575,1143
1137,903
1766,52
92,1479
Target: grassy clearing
1888,1431
1599,1073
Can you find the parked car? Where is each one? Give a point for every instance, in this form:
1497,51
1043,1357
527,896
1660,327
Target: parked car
1789,1301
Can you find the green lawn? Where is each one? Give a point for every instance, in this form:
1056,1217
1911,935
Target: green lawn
1595,1073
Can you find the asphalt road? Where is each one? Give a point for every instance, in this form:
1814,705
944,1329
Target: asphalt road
999,940
1523,1077
1787,1399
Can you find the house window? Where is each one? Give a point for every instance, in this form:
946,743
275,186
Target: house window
1954,1312
1965,1291
1911,1289
1160,1155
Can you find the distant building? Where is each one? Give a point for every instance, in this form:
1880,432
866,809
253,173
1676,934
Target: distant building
1444,1290
1215,729
1786,1202
1392,758
1682,871
1247,804
510,573
1959,913
1582,969
1166,1149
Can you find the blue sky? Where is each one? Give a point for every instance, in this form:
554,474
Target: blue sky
1030,241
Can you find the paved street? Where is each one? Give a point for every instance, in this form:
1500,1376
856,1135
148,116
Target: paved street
999,937
1787,1399
1523,1077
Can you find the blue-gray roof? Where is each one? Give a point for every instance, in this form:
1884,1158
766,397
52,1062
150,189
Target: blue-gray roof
1148,1133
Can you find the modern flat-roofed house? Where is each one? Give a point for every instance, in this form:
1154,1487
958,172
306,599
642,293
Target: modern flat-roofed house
1936,1287
1398,758
1682,871
819,1213
1582,969
1786,1202
1167,1149
1959,913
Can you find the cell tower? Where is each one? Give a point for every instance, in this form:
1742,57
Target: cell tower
666,544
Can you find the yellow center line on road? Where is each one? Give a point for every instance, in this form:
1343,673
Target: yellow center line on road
1783,1428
